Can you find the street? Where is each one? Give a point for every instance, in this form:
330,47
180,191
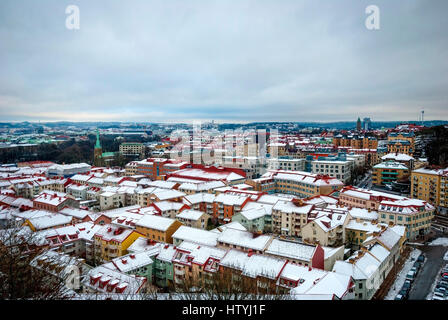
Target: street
366,181
425,278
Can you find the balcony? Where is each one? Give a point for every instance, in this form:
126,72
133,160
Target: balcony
179,271
160,274
159,267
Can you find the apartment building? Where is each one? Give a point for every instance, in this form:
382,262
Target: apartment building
68,170
196,172
405,159
110,200
416,215
169,209
289,217
103,280
370,265
50,202
255,219
157,228
326,227
74,239
298,253
252,166
194,218
226,205
194,265
430,185
298,183
45,222
371,156
132,148
195,235
285,163
163,266
401,142
112,241
387,172
231,238
363,198
154,168
339,169
355,141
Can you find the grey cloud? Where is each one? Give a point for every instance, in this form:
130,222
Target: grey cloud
223,60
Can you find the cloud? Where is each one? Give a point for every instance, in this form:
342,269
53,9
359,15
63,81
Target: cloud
230,61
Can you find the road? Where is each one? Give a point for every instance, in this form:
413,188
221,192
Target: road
366,181
425,278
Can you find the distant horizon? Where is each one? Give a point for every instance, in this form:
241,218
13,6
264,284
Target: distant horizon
215,121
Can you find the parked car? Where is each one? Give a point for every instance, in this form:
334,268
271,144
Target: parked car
442,284
404,293
421,258
406,286
410,276
438,294
434,297
418,265
399,297
414,269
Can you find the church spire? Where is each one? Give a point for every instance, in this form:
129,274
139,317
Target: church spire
98,144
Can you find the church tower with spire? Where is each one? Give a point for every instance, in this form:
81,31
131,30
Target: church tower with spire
358,125
98,151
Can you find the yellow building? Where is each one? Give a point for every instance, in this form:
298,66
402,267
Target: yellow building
158,228
357,231
298,183
430,185
416,215
389,171
113,241
401,142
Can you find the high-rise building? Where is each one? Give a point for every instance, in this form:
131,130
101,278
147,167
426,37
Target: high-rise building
366,124
358,124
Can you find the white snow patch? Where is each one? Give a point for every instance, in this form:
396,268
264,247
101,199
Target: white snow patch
439,242
399,281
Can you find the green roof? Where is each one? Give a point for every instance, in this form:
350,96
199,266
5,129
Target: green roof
108,154
98,144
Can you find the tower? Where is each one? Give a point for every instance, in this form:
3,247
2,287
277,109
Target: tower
366,124
97,151
358,124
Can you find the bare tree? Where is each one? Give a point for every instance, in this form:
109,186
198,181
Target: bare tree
18,278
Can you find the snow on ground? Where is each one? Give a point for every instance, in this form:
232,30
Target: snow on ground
401,277
439,242
445,257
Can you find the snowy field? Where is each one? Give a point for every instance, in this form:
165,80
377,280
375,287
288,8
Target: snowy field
401,277
440,242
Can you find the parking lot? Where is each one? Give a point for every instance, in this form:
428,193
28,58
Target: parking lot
423,282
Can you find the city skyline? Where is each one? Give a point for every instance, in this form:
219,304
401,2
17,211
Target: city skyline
248,62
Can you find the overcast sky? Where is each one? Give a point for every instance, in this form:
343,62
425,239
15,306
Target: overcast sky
233,61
